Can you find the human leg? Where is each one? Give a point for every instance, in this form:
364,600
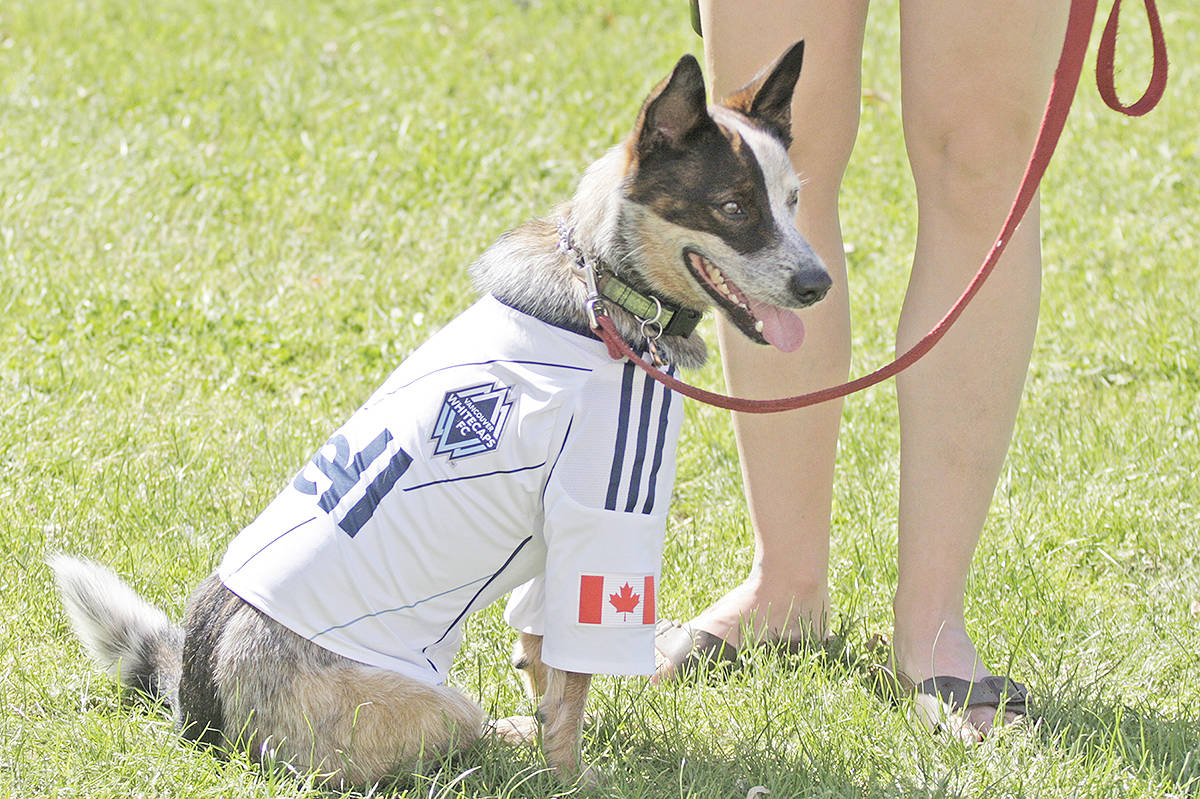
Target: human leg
975,77
787,459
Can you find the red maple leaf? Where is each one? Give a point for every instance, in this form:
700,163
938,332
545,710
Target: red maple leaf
625,601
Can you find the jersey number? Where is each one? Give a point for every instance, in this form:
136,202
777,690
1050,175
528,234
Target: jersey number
344,474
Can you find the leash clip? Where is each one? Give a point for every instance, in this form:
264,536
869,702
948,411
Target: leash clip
592,303
595,309
654,324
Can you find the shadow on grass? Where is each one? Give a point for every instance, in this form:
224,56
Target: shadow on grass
653,765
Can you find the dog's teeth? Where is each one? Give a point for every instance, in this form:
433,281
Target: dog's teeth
758,326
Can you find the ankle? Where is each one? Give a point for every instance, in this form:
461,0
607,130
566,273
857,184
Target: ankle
803,610
947,650
765,609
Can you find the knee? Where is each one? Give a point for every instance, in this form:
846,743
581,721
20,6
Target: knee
820,154
825,117
969,167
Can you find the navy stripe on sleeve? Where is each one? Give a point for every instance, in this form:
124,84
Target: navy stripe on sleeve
659,443
643,437
614,478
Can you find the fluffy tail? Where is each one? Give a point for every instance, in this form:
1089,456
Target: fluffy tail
130,638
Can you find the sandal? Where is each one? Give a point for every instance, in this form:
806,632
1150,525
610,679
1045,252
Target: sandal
953,696
687,647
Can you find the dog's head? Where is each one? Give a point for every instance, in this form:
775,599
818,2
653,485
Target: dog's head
710,199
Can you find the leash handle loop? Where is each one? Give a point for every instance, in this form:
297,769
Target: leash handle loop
1106,68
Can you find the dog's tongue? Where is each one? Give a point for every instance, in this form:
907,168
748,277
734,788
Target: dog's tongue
781,328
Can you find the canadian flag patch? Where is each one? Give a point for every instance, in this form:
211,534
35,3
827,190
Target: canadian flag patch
616,600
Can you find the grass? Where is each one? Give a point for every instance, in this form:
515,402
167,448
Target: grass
221,224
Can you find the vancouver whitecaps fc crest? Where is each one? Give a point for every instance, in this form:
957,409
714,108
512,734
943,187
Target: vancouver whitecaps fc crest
471,420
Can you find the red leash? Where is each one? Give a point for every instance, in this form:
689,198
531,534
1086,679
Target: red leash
1066,80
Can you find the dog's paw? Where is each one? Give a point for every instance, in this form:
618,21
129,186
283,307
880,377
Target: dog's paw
590,779
584,778
516,729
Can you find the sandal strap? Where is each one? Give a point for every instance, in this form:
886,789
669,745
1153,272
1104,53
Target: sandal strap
713,647
996,690
686,647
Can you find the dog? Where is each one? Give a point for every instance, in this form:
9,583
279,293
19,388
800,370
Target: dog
510,451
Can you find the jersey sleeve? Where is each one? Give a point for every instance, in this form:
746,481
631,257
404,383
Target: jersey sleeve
605,507
524,610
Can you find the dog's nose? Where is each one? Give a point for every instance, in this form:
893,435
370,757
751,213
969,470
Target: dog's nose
809,286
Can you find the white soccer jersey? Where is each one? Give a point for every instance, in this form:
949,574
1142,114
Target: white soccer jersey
502,452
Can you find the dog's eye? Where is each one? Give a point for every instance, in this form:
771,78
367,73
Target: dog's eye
793,198
732,209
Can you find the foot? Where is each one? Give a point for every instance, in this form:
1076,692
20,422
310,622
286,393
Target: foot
523,731
752,610
950,653
515,730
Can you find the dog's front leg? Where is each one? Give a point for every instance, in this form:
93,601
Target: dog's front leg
562,696
561,715
527,656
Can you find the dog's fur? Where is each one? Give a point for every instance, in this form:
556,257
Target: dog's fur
692,188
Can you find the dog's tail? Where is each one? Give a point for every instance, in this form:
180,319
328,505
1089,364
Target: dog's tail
130,638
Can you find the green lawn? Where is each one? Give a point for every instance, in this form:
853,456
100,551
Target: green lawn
222,224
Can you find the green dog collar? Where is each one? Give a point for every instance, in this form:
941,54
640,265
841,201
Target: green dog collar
672,320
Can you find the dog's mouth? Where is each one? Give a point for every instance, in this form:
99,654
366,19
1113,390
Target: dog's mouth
759,321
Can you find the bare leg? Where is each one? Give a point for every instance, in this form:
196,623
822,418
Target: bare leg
975,77
786,593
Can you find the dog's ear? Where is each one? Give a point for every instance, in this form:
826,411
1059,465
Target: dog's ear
768,98
675,109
